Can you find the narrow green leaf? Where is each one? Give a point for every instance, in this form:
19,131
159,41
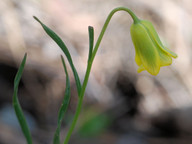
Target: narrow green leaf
63,47
16,104
91,41
64,105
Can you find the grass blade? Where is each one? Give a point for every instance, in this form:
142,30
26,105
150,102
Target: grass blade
91,41
16,104
61,44
64,105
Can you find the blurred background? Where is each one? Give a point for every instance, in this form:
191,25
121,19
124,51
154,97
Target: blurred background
121,106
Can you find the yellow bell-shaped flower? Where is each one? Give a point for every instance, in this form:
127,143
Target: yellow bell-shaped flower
150,53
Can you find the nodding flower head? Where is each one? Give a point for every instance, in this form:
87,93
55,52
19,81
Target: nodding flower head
150,53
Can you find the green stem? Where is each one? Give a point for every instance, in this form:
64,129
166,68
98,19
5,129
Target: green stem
134,17
79,105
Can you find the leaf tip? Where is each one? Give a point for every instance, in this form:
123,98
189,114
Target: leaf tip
61,56
90,27
25,56
36,19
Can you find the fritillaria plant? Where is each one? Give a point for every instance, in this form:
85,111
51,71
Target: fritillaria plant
150,55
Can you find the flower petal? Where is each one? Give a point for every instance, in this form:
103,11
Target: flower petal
145,48
137,58
140,69
156,38
165,59
165,49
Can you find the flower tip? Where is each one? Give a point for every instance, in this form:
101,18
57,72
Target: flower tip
154,74
175,56
139,71
154,71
